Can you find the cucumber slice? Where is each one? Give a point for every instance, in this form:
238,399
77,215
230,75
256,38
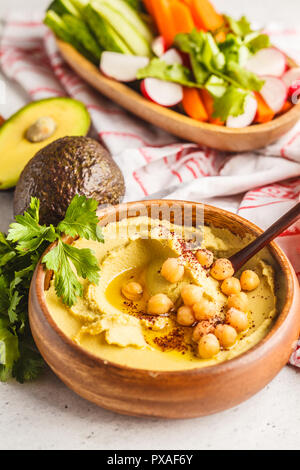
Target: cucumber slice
128,33
61,30
131,16
105,34
62,7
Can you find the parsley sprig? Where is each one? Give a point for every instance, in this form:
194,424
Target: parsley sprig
20,252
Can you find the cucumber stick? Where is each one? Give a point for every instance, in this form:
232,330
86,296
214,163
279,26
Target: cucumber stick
105,34
128,33
62,7
78,28
131,16
62,31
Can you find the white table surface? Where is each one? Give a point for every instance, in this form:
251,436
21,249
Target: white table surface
46,415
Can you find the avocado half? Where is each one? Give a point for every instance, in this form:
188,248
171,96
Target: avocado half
70,116
66,167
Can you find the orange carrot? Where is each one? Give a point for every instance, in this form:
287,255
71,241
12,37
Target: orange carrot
182,17
205,15
149,7
264,112
193,105
209,106
286,107
164,19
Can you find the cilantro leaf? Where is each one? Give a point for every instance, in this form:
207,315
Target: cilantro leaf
9,352
29,365
85,262
176,73
67,286
81,219
232,103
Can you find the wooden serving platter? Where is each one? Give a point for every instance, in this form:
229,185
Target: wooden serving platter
222,138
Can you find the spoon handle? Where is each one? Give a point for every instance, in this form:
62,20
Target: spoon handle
240,258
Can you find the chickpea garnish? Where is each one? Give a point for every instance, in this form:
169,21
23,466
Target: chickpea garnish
226,334
237,319
238,301
191,294
222,269
204,310
132,291
249,280
205,258
208,346
159,304
172,271
230,286
185,316
203,328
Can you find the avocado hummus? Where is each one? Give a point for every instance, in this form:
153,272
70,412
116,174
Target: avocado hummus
116,329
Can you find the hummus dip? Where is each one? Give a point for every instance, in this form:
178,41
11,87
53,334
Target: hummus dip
118,330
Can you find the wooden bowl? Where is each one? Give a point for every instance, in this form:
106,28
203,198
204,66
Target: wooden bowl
218,137
180,394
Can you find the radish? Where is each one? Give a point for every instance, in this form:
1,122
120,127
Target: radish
121,67
274,92
292,81
166,94
248,116
172,57
159,46
269,61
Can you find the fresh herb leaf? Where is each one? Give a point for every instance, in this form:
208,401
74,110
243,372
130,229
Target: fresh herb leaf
20,253
246,79
176,73
240,27
232,103
81,219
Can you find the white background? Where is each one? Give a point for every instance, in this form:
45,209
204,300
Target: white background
46,415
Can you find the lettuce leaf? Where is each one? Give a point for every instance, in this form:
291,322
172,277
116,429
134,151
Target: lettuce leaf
176,73
232,103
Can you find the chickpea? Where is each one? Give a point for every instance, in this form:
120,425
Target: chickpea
159,304
249,280
203,328
191,294
222,269
132,291
237,319
226,334
205,258
204,310
172,271
238,301
185,316
208,346
230,286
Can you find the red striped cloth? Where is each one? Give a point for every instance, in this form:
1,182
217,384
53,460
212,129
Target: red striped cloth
259,185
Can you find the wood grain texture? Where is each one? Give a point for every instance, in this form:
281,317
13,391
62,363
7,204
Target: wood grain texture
179,394
218,137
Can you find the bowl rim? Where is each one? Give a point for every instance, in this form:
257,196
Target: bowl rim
249,356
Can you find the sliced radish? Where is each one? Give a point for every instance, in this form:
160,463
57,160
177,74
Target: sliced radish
292,81
269,61
121,67
160,92
248,116
172,57
159,46
274,92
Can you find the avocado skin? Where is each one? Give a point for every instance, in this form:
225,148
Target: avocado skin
64,168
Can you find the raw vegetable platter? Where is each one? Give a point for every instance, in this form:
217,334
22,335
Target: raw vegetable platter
205,77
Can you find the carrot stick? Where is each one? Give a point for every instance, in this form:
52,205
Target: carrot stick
209,106
205,15
182,17
264,112
149,7
164,19
193,105
286,107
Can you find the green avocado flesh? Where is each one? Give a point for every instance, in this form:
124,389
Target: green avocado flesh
71,118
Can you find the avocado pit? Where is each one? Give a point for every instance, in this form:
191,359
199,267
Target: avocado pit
41,130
